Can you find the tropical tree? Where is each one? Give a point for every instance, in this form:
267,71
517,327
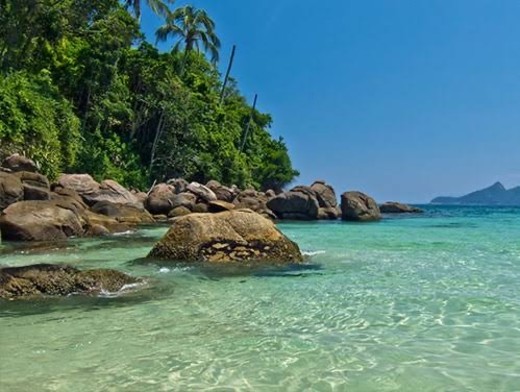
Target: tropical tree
160,7
192,28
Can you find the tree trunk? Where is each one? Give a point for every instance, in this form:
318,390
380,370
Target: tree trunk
246,132
227,73
156,140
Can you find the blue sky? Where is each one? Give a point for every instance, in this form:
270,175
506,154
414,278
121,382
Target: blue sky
402,99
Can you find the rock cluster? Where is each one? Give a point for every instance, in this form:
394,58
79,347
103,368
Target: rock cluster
32,209
178,197
317,201
210,223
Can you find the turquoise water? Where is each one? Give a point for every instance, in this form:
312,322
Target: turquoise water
428,303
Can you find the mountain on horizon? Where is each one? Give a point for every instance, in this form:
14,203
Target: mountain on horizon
496,194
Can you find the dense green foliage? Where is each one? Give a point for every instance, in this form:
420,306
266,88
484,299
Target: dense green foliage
81,90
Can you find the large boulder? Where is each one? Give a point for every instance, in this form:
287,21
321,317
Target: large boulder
17,162
160,199
59,280
11,189
300,203
356,206
41,220
230,236
91,191
394,207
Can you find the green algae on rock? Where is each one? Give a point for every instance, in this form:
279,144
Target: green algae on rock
59,280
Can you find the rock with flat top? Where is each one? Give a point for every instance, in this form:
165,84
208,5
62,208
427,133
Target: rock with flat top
225,237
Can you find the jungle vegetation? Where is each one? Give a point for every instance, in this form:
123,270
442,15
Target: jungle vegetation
82,90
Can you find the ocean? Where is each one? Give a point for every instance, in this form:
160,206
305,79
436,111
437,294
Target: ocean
412,303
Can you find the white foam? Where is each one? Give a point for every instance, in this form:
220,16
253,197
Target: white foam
123,233
126,287
313,253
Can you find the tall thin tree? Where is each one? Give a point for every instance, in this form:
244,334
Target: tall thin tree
228,71
248,124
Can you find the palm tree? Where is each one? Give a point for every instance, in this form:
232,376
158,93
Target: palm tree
159,7
192,28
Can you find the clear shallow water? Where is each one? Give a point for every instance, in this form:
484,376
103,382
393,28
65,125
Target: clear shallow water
428,303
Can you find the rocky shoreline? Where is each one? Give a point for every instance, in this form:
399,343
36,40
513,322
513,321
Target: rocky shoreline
211,222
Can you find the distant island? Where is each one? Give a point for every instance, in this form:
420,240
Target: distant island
496,194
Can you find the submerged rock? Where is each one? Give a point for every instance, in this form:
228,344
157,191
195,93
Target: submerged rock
356,206
59,280
394,207
230,236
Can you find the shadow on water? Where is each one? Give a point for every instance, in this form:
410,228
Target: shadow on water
217,271
181,277
35,248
